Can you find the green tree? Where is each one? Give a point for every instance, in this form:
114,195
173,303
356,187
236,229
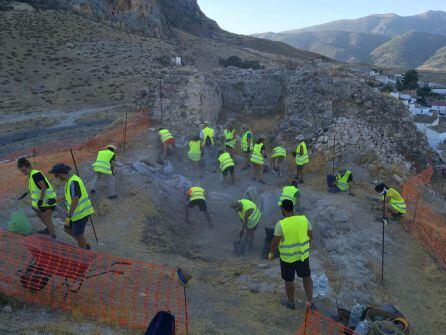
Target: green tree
410,80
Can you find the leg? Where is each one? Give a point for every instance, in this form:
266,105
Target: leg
94,184
253,169
232,176
165,148
308,287
289,290
46,218
81,242
261,167
111,186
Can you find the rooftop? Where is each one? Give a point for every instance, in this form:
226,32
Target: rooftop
441,128
424,118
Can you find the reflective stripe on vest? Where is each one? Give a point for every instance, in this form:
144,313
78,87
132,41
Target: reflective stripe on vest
165,135
278,152
103,160
288,193
208,133
229,138
399,206
342,182
244,143
254,218
225,161
84,207
302,159
256,156
196,193
194,150
295,243
34,190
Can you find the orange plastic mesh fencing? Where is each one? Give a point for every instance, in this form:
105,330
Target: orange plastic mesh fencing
317,324
426,224
43,157
39,269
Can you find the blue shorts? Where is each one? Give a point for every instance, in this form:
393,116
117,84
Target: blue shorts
78,227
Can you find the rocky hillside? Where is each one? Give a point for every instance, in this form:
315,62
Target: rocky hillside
409,50
388,40
437,62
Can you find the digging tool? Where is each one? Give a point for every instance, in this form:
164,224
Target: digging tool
22,196
334,151
382,249
161,103
125,131
184,280
77,172
34,156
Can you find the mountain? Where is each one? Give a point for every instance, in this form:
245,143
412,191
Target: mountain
409,50
341,45
436,62
386,39
433,22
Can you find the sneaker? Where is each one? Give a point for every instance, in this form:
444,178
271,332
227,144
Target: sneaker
92,191
287,304
301,181
112,197
53,236
311,306
88,247
44,231
262,182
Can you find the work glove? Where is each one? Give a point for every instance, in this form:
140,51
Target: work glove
67,221
270,256
39,203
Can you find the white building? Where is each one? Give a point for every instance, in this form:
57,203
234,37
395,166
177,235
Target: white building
436,135
423,122
439,91
439,106
421,110
395,95
382,78
405,96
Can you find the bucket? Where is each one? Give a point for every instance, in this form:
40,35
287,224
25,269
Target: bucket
239,247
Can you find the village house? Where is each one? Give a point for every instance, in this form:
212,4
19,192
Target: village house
423,122
436,135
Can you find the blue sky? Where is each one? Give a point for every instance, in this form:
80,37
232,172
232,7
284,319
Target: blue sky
257,16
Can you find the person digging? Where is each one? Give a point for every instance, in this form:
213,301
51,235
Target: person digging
196,197
43,196
79,207
250,217
292,237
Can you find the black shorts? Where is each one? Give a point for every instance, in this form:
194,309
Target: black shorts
228,169
45,209
200,203
289,270
78,227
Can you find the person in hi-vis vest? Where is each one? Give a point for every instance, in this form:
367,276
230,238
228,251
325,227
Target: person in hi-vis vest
79,207
104,167
43,196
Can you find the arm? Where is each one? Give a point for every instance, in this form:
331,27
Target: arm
275,244
247,215
73,206
310,235
42,191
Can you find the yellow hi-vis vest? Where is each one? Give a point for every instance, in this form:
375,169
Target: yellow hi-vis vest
295,243
302,159
103,160
208,133
254,218
244,144
34,190
225,161
288,193
84,207
342,181
194,151
256,156
196,193
229,138
278,152
165,135
396,201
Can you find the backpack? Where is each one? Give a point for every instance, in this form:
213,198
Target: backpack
163,323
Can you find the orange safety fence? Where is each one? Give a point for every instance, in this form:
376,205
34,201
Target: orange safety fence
317,324
43,157
122,292
427,225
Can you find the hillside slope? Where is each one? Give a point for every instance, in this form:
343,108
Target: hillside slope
340,45
408,50
433,22
437,62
